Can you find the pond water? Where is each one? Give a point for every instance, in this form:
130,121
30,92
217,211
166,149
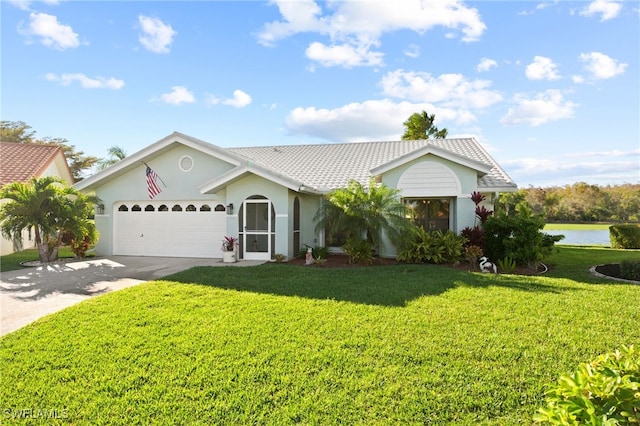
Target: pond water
591,237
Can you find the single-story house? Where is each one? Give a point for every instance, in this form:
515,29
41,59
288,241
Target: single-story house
181,196
23,161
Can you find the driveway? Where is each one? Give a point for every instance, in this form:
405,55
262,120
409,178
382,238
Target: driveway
31,293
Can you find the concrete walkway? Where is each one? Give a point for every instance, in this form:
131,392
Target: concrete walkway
31,293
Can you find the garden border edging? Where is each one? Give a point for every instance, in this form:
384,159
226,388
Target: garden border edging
595,273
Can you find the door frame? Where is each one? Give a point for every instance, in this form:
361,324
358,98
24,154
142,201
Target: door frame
248,252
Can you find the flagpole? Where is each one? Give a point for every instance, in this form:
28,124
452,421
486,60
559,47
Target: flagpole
165,185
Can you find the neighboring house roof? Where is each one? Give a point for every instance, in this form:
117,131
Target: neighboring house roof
329,166
22,161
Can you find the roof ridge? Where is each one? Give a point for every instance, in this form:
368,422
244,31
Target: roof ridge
348,143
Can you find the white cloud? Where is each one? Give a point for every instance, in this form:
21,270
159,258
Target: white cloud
542,108
577,79
179,95
486,64
602,154
240,100
86,82
606,8
412,51
299,16
542,68
344,55
26,4
615,167
450,90
365,121
51,32
156,35
602,66
355,27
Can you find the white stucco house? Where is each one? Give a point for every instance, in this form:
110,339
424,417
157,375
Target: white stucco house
267,196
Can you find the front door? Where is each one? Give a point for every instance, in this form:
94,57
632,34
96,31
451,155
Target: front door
257,229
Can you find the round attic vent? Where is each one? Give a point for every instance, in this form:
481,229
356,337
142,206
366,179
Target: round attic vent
185,163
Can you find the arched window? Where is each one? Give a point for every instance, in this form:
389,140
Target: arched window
205,208
163,208
123,208
176,208
191,208
136,208
149,208
220,208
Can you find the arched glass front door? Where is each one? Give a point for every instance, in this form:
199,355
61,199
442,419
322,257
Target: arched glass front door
257,229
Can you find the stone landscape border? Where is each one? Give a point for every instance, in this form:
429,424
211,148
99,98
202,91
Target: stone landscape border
594,272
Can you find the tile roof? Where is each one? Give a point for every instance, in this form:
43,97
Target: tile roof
19,162
330,166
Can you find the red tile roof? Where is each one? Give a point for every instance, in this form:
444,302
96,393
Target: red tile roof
19,162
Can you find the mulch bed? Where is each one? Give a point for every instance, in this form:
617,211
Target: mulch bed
342,261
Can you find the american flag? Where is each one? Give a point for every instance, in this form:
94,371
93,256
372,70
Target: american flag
152,185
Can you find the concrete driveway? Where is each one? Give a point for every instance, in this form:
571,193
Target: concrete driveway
31,293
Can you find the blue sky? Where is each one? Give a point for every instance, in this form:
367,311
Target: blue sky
551,89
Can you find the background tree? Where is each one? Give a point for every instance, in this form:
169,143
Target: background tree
361,212
420,126
582,202
116,153
20,132
49,208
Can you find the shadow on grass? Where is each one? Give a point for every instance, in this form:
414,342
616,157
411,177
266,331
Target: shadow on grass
394,285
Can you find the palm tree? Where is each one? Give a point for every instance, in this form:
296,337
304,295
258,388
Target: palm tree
364,212
420,126
116,153
49,208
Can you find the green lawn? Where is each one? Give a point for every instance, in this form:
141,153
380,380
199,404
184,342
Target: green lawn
282,344
576,226
12,261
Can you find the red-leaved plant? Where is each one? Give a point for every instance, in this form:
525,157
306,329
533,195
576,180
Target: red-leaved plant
483,214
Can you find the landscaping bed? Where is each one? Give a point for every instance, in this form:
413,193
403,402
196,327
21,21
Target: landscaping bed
342,261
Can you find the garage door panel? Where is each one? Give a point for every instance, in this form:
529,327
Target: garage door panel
169,233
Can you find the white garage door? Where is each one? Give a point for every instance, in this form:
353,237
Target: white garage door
176,229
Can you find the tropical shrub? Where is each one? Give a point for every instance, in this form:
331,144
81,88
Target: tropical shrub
473,235
605,391
81,245
472,253
482,213
49,208
518,236
357,211
624,236
630,270
507,264
358,250
316,252
431,247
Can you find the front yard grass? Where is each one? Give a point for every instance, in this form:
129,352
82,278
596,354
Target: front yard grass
281,344
577,226
11,262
